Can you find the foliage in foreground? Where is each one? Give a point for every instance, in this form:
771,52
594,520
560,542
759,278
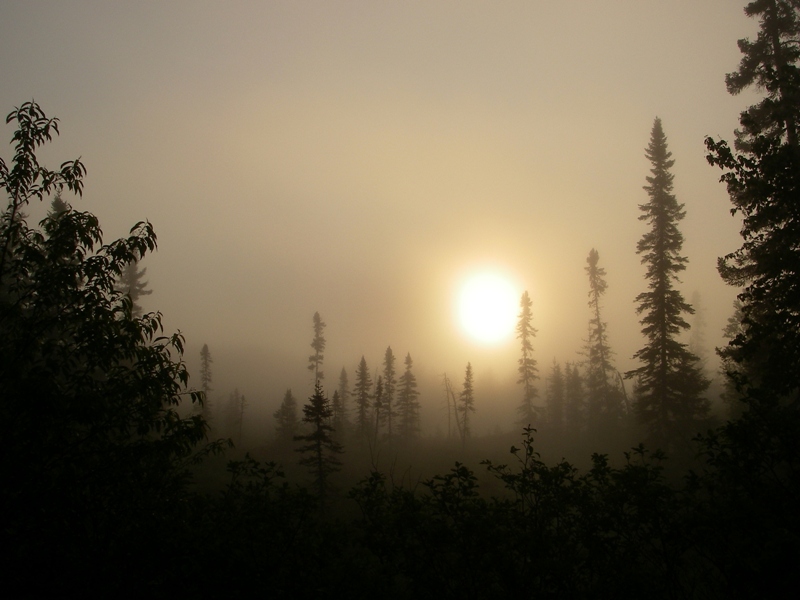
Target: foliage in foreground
96,456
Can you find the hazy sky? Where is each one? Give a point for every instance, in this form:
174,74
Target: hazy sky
360,158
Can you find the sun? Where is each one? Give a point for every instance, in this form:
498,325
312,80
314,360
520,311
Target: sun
487,307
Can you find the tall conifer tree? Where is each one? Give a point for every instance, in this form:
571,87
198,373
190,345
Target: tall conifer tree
763,180
58,205
131,282
362,393
555,397
604,397
206,380
321,449
341,408
389,410
408,403
318,344
467,404
670,383
756,456
528,373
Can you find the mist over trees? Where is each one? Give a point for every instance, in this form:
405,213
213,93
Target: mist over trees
115,485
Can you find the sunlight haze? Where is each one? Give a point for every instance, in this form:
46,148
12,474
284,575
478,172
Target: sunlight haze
487,307
353,158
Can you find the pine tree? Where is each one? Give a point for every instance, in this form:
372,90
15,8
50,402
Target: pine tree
321,449
603,395
286,423
389,410
205,381
131,282
318,344
670,384
528,373
555,397
362,392
467,402
763,181
408,403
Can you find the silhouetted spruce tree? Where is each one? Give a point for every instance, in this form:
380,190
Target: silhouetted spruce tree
574,398
756,457
555,397
528,373
58,206
321,450
763,180
604,397
670,383
452,408
378,406
408,403
389,410
286,422
58,210
131,282
466,402
341,406
362,393
205,381
318,344
336,415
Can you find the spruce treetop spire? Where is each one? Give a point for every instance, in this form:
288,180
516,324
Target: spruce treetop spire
670,383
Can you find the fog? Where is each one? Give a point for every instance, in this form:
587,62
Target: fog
360,159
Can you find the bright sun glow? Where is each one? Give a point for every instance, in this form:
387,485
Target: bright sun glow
487,307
